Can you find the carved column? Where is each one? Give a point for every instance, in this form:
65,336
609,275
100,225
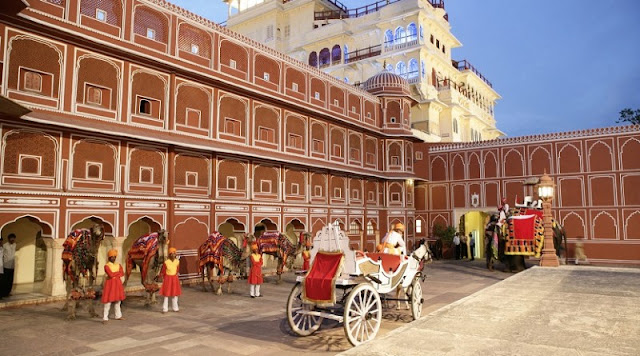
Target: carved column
117,244
53,282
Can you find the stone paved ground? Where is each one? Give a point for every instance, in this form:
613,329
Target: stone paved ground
208,324
570,310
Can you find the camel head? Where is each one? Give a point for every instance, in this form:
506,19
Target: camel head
97,235
163,237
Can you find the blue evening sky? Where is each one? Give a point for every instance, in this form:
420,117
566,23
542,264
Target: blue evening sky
558,65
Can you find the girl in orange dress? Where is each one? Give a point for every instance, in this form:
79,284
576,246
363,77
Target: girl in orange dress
113,291
255,274
306,256
170,282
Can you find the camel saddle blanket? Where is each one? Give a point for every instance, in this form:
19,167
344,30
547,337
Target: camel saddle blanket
210,251
319,285
69,245
269,242
526,234
146,245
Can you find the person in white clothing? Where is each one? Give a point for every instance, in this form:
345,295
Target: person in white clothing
9,256
456,243
393,242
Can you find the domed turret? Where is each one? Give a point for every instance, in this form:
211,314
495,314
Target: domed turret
387,84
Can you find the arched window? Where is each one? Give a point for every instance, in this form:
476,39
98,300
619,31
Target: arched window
325,57
401,69
412,32
313,59
414,70
400,35
455,125
354,228
346,53
370,230
390,68
145,107
421,32
346,80
388,38
336,54
424,69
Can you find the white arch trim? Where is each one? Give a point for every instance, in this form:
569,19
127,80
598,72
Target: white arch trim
53,231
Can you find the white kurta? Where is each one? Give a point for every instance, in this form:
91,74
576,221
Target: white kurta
394,239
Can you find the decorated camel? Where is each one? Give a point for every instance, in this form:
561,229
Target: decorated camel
217,255
278,245
148,253
80,267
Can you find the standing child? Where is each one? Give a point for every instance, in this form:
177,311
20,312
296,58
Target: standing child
170,282
113,291
306,256
255,274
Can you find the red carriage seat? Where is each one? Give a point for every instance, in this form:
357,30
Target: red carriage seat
390,263
320,282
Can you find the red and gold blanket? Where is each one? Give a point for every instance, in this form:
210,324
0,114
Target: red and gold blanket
144,248
319,286
210,252
526,235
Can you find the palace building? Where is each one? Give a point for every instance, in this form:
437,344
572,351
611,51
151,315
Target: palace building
411,38
140,116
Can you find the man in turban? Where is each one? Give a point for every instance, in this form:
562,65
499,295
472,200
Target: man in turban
394,242
170,282
113,291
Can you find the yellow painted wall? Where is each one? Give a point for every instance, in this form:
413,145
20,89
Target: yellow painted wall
475,222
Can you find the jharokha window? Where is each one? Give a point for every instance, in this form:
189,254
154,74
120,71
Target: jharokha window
232,127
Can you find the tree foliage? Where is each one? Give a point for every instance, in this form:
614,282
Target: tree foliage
630,116
446,233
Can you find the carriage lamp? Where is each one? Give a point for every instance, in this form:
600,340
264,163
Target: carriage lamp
545,192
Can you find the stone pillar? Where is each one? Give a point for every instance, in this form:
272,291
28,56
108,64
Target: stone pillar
117,244
53,283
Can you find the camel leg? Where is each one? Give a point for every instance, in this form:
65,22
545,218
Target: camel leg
210,275
202,270
68,287
219,289
228,283
92,310
71,315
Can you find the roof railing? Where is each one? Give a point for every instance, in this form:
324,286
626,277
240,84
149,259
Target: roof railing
363,53
345,13
464,65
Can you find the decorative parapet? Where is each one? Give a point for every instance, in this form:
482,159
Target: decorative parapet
285,58
601,131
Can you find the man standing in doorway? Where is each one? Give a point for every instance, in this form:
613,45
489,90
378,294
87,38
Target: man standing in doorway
456,244
472,245
9,256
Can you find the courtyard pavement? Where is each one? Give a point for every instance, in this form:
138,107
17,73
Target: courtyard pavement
570,310
208,324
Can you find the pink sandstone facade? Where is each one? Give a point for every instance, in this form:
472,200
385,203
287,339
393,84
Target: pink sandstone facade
141,116
596,173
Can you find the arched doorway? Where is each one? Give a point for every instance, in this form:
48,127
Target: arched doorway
233,230
355,235
474,223
140,227
265,225
293,229
30,267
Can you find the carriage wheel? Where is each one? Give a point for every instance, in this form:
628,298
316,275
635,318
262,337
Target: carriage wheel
303,325
416,298
362,314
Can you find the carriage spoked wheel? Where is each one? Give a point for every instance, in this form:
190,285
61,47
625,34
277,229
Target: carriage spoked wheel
301,324
362,314
416,298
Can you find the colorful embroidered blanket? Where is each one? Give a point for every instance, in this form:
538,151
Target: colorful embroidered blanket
276,244
144,248
80,239
210,250
319,286
526,235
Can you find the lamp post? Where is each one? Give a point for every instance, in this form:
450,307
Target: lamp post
545,192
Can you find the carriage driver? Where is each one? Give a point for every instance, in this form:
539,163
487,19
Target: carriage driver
393,242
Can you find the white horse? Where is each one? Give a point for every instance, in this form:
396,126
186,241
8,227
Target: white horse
422,255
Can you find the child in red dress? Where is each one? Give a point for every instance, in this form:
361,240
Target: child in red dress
170,282
306,256
113,291
255,274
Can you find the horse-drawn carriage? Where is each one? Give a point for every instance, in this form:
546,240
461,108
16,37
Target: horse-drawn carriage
346,286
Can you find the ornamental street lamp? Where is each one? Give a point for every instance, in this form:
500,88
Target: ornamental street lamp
545,192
